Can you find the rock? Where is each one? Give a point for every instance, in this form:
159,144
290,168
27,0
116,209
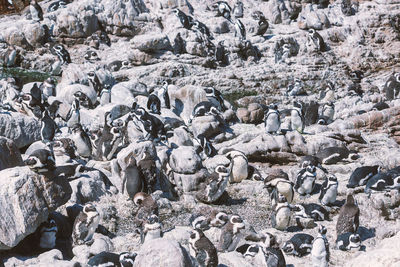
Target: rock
14,36
122,92
185,160
36,34
9,154
275,173
207,126
243,115
22,129
190,182
233,259
151,43
66,93
162,252
50,256
297,143
27,199
101,243
88,187
310,18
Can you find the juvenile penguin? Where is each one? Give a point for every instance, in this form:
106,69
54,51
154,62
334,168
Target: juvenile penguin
239,166
272,120
329,190
82,141
328,111
361,175
48,127
205,252
230,234
240,30
317,40
280,219
297,117
348,241
221,54
214,186
36,11
85,225
305,180
299,245
147,206
41,160
132,180
320,249
349,217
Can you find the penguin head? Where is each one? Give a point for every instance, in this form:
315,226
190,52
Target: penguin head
49,226
322,229
152,219
311,169
77,128
221,218
195,235
31,161
127,259
281,198
199,222
125,64
298,104
251,251
89,208
322,121
176,11
354,241
288,248
332,178
45,114
311,31
139,198
268,240
222,170
397,77
237,221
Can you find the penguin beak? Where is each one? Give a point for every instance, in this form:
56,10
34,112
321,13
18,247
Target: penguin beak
30,161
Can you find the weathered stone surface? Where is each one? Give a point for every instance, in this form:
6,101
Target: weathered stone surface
9,154
312,18
151,43
185,160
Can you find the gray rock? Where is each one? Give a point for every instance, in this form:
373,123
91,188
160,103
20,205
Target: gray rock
190,182
162,252
151,43
23,130
35,34
233,259
185,160
9,154
66,93
312,18
207,126
88,187
101,243
27,199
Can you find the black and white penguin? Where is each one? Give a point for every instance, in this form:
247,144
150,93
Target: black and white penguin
214,186
240,30
154,104
238,9
332,155
36,11
320,249
132,178
315,38
204,108
280,186
383,182
152,228
73,116
91,56
361,175
163,95
327,113
48,89
280,219
296,88
41,160
272,120
179,46
206,218
239,166
299,245
205,146
305,180
61,52
48,127
230,234
310,160
117,65
105,258
204,250
297,122
82,141
94,81
186,21
329,190
215,97
85,225
48,234
221,54
392,86
380,106
262,26
32,102
348,241
203,29
10,57
311,210
223,9
105,95
349,217
57,5
151,126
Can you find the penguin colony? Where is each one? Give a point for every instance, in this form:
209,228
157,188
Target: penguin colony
139,174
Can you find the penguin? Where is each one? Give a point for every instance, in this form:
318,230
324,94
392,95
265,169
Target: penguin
272,253
272,120
105,258
117,65
280,186
238,9
329,190
186,21
305,180
315,38
64,149
299,245
163,95
204,108
48,127
380,106
327,113
392,87
105,96
239,166
332,155
48,89
348,241
94,81
36,11
205,146
311,210
132,178
383,182
85,225
151,126
280,219
179,45
147,206
32,102
57,5
41,160
240,30
152,228
82,141
205,252
297,117
203,29
48,234
101,37
361,175
320,249
221,54
230,234
215,97
223,9
349,217
262,26
73,116
206,218
62,53
212,189
91,56
147,167
10,57
295,89
311,161
154,104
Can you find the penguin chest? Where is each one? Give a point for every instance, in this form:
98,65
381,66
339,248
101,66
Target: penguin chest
330,195
282,218
153,234
48,239
82,148
105,98
134,183
285,189
296,122
239,170
318,249
329,113
75,118
272,122
308,185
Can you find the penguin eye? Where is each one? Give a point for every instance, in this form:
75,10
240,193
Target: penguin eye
94,54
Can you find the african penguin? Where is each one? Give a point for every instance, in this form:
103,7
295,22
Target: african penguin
48,234
105,96
132,178
105,258
239,166
280,186
272,120
348,241
57,5
185,20
163,95
361,175
10,57
332,155
206,218
205,252
48,89
230,234
327,113
240,30
329,190
214,186
154,104
85,225
320,249
41,160
179,46
296,88
36,11
280,218
311,210
215,97
73,116
149,125
299,245
94,82
221,54
297,117
203,29
91,56
152,228
316,39
61,52
311,161
117,65
223,9
238,9
349,217
262,26
147,206
48,127
204,108
82,141
383,182
380,106
206,149
392,86
305,180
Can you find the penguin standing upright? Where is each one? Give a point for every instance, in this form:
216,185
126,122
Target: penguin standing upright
349,217
317,40
132,180
105,96
221,54
154,104
280,186
240,30
329,190
185,20
272,120
305,180
320,249
10,57
262,26
229,237
215,97
152,228
238,9
48,234
239,166
61,52
48,127
85,225
297,117
280,219
213,188
82,141
73,116
36,11
163,95
47,88
205,251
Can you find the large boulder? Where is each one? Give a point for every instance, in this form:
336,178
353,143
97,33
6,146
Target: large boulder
185,160
151,42
9,154
26,200
88,187
312,18
162,252
22,129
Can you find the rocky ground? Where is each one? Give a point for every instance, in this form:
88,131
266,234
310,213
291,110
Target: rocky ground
356,71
